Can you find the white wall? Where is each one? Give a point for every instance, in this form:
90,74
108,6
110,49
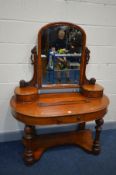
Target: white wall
20,21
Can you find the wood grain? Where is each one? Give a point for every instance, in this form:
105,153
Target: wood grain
31,108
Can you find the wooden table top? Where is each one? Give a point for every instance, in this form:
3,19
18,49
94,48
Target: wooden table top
53,106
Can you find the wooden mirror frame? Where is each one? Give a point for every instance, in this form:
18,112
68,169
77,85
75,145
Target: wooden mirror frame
83,59
36,80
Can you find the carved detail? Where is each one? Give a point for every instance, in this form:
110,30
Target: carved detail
34,52
92,80
96,144
33,81
87,54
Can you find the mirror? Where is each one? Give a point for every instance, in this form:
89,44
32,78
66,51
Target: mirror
61,54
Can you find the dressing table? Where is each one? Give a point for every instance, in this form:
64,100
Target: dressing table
59,93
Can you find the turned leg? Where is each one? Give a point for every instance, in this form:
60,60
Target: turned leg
96,144
81,126
29,134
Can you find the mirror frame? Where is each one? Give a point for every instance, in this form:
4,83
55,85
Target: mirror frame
83,58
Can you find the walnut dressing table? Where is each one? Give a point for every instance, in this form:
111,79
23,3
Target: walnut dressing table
59,93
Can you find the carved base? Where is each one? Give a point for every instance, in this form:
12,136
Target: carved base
36,145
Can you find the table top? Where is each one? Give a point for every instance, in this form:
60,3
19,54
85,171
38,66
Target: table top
65,106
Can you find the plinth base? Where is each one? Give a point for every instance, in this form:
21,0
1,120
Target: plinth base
36,145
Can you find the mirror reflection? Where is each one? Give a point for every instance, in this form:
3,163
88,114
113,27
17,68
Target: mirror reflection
61,55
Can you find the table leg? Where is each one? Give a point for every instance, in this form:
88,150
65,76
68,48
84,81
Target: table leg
96,144
81,126
29,135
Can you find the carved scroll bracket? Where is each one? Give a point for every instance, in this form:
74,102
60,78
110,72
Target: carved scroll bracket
33,81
